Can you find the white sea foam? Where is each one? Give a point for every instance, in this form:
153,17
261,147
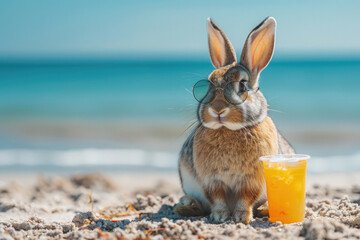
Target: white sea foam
119,159
339,163
87,157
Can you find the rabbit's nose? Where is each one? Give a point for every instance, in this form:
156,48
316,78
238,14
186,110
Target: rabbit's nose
218,105
221,113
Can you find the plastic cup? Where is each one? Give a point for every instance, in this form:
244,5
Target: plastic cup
285,177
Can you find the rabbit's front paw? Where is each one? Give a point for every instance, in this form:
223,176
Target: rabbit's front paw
243,215
219,213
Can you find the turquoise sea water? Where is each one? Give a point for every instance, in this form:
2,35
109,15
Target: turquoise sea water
327,89
317,102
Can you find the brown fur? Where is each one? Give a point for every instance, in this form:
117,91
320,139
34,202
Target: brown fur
235,114
213,151
214,155
219,165
216,77
216,191
219,102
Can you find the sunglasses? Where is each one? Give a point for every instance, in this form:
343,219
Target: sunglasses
235,92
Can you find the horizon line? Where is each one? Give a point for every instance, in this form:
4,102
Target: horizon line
168,55
192,58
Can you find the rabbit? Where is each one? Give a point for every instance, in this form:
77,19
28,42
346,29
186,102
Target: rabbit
219,166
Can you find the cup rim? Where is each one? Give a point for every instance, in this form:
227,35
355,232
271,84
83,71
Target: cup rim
285,157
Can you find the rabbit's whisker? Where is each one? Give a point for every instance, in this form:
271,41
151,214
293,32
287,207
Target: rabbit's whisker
190,126
188,91
197,74
269,99
274,110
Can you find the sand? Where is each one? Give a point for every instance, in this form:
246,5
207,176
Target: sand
140,206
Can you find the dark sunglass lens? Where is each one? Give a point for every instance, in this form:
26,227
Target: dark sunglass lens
235,93
201,89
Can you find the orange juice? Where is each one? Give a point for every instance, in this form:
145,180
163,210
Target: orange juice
285,186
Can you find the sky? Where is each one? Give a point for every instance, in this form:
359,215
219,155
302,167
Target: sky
148,28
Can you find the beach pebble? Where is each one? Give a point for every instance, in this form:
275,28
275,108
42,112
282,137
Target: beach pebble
142,202
81,217
6,206
67,228
22,226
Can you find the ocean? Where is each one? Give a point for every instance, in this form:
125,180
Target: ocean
63,115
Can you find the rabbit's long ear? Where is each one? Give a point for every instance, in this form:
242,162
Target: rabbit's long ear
222,52
259,48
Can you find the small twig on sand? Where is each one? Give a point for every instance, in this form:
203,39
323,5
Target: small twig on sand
90,201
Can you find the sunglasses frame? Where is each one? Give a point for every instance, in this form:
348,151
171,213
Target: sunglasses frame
222,89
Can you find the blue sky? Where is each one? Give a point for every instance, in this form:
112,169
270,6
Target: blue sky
135,28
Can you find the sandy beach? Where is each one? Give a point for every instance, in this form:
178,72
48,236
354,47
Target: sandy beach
102,102
139,205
